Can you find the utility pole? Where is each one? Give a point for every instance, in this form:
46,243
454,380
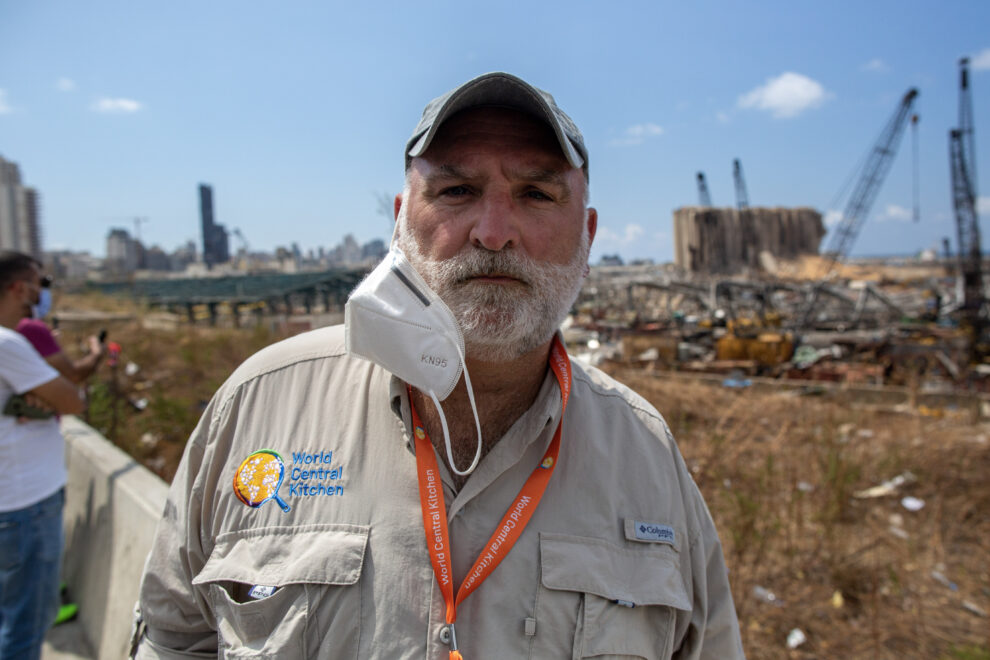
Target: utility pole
138,221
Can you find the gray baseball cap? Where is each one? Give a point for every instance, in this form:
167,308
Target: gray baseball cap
503,90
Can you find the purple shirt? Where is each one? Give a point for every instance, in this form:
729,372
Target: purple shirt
36,331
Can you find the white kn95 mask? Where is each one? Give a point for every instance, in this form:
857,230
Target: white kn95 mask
395,320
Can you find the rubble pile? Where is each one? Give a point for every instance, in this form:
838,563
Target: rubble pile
894,326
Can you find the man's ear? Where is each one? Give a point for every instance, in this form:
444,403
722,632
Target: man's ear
397,204
592,215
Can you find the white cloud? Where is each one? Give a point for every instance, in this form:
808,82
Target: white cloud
896,213
4,108
981,61
65,85
785,96
631,234
116,106
637,134
723,117
876,65
983,205
832,218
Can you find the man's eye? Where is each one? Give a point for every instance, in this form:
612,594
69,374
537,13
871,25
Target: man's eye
538,194
456,191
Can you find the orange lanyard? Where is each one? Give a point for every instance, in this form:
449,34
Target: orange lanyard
514,520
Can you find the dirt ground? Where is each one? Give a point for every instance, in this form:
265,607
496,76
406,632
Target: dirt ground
860,577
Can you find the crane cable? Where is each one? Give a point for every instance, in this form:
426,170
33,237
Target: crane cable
917,177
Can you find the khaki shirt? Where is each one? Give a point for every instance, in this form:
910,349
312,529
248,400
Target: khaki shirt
620,558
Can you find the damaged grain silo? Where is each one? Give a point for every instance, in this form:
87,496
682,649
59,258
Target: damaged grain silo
727,240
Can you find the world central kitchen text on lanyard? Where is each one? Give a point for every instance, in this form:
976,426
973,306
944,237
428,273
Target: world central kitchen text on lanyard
514,520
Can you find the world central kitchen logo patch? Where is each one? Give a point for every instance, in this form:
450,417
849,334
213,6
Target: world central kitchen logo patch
311,474
258,478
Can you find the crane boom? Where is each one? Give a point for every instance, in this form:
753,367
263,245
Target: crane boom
864,194
703,197
967,227
874,172
962,162
742,198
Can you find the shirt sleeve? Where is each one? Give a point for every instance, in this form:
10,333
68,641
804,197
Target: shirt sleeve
177,617
713,629
40,336
23,368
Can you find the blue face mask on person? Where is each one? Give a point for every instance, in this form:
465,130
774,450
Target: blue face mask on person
44,305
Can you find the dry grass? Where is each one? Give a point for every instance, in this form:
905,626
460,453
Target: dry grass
779,473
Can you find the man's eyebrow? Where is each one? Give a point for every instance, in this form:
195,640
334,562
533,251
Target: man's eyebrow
446,171
555,177
552,177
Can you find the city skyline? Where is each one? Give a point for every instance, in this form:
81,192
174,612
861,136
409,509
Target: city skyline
111,120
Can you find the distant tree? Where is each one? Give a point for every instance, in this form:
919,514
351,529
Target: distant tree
384,201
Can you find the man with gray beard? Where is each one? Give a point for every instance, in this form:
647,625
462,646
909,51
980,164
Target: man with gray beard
436,478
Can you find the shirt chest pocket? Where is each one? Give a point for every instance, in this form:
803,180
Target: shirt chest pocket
287,591
623,600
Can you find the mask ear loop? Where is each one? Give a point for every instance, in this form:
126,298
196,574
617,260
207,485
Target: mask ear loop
443,422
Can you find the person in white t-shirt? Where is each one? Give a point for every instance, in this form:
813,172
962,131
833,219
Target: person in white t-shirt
32,465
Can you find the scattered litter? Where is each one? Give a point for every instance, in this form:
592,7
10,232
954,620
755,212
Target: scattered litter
888,487
865,433
141,403
805,487
944,581
898,532
796,638
737,383
157,463
727,483
149,440
131,369
837,600
649,354
912,503
767,596
973,608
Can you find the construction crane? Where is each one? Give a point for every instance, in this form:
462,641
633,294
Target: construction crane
240,237
703,197
872,175
962,161
138,221
742,198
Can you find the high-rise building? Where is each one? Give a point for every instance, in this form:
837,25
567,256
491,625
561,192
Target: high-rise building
20,222
123,255
216,243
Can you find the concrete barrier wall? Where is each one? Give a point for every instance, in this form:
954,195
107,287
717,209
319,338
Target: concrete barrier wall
112,507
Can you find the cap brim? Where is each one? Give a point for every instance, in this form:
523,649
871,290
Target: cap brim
496,89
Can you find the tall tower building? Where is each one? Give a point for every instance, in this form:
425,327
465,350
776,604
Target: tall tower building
20,222
216,243
122,252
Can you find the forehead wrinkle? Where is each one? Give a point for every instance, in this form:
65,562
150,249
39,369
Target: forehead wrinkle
447,171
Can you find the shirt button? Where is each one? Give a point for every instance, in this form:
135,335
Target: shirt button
445,635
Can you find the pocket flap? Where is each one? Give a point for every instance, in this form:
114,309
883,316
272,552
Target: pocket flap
640,577
311,554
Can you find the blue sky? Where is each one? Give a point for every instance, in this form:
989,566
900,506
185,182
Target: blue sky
297,112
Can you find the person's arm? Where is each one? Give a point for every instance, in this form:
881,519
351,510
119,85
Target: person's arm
176,617
713,632
78,370
61,395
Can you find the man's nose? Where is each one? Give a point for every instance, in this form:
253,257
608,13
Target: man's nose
496,227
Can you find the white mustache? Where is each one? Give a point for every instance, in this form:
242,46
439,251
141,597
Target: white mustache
478,263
